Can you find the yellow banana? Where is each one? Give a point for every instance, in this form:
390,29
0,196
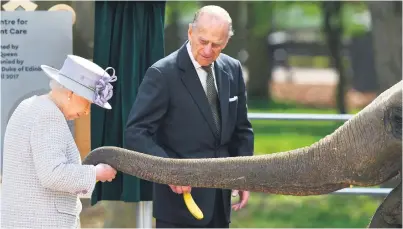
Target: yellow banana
192,206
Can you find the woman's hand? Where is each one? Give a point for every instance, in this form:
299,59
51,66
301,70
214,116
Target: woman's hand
105,172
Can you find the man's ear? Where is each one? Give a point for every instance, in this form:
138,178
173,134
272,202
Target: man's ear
190,30
225,44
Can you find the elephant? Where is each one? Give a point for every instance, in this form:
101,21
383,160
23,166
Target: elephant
365,151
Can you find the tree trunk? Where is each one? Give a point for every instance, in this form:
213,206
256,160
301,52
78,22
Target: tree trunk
386,18
259,63
334,30
172,41
259,67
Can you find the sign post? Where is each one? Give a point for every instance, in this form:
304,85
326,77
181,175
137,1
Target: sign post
29,39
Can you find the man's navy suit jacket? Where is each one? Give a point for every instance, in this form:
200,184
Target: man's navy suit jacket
171,117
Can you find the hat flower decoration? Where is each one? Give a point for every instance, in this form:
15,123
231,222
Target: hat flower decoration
104,88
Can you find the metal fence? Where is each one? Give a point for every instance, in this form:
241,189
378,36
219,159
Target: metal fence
144,211
300,117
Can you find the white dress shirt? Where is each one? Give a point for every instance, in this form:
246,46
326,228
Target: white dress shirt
200,71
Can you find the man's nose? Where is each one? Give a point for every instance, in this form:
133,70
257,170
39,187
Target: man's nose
207,50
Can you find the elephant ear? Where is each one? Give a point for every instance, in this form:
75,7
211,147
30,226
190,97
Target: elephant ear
389,213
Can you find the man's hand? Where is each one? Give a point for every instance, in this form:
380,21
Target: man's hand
180,189
243,199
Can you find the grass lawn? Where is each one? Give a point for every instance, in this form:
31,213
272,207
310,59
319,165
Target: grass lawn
274,211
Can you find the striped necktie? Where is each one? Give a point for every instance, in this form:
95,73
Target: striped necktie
212,97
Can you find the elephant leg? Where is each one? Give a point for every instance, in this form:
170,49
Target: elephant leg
389,213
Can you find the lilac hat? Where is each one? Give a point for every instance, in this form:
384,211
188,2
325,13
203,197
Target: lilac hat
85,79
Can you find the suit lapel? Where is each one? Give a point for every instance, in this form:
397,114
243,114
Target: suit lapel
192,82
222,78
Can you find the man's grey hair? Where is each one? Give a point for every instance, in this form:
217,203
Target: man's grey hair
217,12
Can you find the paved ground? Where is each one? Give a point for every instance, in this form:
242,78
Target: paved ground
307,76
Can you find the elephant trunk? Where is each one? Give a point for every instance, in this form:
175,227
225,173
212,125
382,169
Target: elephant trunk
266,173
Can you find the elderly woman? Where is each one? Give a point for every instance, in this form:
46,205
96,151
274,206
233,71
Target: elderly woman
42,171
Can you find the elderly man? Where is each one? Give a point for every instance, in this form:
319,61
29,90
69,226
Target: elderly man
192,104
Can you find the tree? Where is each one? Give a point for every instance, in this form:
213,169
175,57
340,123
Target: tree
260,62
333,28
386,19
172,41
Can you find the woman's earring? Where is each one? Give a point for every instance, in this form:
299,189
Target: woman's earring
68,98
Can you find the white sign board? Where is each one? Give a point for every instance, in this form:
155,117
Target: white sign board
29,39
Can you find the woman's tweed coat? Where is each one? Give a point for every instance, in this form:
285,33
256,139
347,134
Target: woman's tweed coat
42,171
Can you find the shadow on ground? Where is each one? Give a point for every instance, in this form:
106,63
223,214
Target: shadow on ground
108,214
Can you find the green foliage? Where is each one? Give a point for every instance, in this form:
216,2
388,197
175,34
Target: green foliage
353,16
278,211
285,15
261,17
186,10
300,15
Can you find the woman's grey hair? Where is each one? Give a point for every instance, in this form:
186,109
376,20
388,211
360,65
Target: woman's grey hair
53,84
